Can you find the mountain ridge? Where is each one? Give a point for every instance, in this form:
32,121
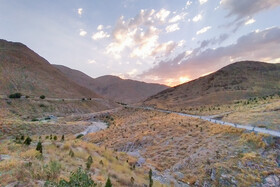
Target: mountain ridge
113,87
25,71
239,80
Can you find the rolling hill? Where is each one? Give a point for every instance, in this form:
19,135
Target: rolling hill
113,87
22,70
239,80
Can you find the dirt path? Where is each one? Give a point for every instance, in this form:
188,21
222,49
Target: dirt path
207,118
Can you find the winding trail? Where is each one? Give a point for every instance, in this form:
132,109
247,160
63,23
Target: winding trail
94,127
206,118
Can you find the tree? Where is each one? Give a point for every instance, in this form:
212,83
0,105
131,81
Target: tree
108,183
42,97
62,138
39,147
15,96
55,138
27,141
151,178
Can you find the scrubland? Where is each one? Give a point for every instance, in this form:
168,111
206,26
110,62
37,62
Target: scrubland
191,150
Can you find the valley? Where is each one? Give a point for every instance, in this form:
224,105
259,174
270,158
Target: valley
59,127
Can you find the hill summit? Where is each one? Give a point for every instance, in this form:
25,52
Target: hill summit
22,70
239,80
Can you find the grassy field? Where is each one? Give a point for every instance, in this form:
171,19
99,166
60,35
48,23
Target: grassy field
256,111
27,166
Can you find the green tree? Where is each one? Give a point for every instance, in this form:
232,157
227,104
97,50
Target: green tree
39,147
55,138
108,183
42,97
151,178
27,141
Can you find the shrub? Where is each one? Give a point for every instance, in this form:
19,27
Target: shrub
15,95
52,170
89,162
151,178
42,97
71,153
27,141
108,183
62,138
55,137
79,136
39,147
42,105
79,178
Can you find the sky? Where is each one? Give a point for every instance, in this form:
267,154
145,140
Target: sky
159,41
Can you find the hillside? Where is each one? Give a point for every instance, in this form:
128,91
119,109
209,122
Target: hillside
113,87
22,70
240,80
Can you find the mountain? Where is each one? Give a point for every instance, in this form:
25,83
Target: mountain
239,80
24,71
113,87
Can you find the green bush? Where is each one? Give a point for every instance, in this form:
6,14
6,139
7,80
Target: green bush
15,95
71,153
89,162
52,170
151,178
42,97
108,183
39,147
79,136
62,138
79,178
55,138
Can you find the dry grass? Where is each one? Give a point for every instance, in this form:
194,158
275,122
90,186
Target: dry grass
190,146
27,165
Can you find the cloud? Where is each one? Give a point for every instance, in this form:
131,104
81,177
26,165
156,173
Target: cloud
82,32
197,18
213,41
250,21
202,1
80,11
91,61
100,35
203,30
138,36
262,46
162,14
188,3
172,28
247,8
177,18
100,27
